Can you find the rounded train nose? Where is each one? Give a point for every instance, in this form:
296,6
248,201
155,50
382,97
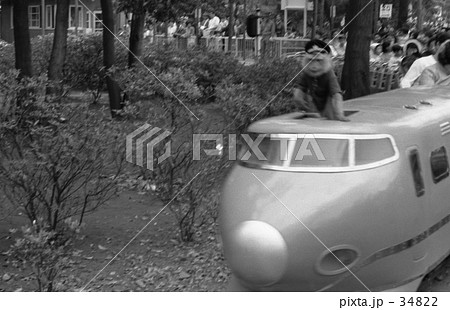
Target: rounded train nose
257,253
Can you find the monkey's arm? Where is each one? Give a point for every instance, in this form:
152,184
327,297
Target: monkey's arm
337,105
304,100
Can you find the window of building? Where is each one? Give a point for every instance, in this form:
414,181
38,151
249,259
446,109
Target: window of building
50,16
72,17
88,20
439,164
98,20
34,16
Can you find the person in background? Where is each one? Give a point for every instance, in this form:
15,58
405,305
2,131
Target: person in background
406,64
375,52
402,36
267,32
338,46
171,29
412,47
238,28
386,52
439,73
413,35
424,37
419,65
376,38
430,48
381,28
203,25
397,56
222,27
213,23
279,26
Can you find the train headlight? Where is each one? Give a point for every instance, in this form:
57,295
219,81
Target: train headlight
337,260
257,253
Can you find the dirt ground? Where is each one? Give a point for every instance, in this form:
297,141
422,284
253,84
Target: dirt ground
149,258
154,260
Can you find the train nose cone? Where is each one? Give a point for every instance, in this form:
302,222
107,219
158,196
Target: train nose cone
257,253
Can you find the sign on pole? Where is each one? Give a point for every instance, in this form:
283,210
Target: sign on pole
293,4
385,10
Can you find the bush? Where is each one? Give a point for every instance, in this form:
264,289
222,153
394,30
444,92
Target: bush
83,68
209,68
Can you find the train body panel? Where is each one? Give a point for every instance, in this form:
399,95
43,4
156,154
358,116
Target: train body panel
379,221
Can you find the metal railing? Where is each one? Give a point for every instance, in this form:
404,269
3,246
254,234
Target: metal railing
240,47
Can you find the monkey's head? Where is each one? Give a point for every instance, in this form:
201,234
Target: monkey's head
317,60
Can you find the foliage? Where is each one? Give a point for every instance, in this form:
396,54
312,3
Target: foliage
83,69
57,161
45,251
209,67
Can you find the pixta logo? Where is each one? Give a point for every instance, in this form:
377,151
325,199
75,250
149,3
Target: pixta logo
141,143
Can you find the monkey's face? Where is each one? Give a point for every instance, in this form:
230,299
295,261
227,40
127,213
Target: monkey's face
316,64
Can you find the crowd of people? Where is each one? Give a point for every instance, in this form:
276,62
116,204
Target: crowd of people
407,50
411,52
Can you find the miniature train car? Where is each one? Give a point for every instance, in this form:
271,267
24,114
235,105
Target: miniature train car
319,205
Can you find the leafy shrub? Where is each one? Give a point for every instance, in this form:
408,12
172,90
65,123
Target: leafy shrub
209,67
7,58
44,251
83,68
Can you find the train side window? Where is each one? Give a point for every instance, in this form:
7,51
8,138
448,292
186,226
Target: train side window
439,164
416,170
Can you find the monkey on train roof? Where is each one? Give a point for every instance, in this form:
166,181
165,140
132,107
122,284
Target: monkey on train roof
318,89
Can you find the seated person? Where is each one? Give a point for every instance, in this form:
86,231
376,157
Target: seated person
397,56
318,88
439,73
412,47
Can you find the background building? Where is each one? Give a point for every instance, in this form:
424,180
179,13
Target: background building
42,16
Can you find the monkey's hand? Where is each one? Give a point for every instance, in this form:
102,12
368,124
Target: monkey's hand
338,109
302,99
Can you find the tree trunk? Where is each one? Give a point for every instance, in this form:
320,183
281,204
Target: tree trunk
419,15
355,76
376,16
136,33
321,14
109,56
22,43
58,56
402,13
313,27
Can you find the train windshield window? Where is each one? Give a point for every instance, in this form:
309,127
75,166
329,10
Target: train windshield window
439,164
319,152
316,152
372,150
